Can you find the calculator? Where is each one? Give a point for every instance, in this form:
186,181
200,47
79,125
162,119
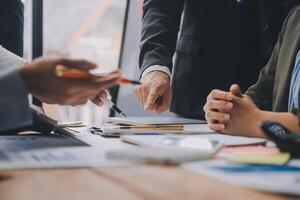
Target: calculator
285,140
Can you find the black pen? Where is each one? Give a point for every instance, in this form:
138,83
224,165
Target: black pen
114,107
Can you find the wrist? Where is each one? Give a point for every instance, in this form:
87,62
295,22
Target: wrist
161,73
260,117
153,76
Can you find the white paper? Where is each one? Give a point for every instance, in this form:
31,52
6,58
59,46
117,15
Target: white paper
275,179
57,158
93,155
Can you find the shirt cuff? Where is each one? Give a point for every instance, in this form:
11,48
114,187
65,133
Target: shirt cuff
160,68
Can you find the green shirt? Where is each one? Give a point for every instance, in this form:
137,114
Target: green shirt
271,92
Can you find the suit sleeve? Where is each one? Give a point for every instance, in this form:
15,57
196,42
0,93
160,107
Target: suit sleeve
262,91
160,26
14,107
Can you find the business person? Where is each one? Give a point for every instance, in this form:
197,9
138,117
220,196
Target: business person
219,42
275,96
39,79
12,25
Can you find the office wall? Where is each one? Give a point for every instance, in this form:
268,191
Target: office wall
129,61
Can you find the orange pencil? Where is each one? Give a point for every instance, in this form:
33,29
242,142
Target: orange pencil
127,81
62,71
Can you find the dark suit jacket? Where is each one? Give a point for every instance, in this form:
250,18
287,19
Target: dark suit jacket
219,43
11,25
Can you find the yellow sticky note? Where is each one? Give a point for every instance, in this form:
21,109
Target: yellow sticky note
262,159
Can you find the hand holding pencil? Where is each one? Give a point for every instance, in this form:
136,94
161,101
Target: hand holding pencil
63,71
42,81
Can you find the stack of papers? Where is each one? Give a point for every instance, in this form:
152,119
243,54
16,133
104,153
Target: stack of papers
154,121
152,126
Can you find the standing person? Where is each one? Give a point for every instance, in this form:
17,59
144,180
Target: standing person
215,43
12,25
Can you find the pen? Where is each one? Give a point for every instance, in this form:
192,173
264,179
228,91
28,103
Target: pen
114,107
152,127
62,71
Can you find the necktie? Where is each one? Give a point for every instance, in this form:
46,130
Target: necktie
294,96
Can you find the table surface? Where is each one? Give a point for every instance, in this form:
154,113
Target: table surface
134,182
139,182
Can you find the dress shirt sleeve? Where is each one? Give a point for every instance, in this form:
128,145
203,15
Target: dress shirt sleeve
160,68
14,105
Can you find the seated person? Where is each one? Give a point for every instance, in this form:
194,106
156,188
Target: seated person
39,79
275,96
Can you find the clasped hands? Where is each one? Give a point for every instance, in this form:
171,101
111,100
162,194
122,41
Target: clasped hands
233,113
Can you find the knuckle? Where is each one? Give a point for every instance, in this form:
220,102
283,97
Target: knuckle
223,104
206,116
205,108
212,127
214,92
209,115
136,89
156,86
210,104
208,97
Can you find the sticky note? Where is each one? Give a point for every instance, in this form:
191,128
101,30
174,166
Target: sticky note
262,159
251,149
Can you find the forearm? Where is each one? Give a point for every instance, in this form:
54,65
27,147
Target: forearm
252,124
160,28
289,120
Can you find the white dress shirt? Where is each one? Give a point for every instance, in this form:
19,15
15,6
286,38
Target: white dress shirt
14,105
160,68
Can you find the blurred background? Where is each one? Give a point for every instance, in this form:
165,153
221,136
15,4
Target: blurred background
106,32
90,29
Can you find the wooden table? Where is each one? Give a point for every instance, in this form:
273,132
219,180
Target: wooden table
141,182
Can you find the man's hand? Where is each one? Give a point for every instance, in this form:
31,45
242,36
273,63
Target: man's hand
42,82
233,113
155,93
